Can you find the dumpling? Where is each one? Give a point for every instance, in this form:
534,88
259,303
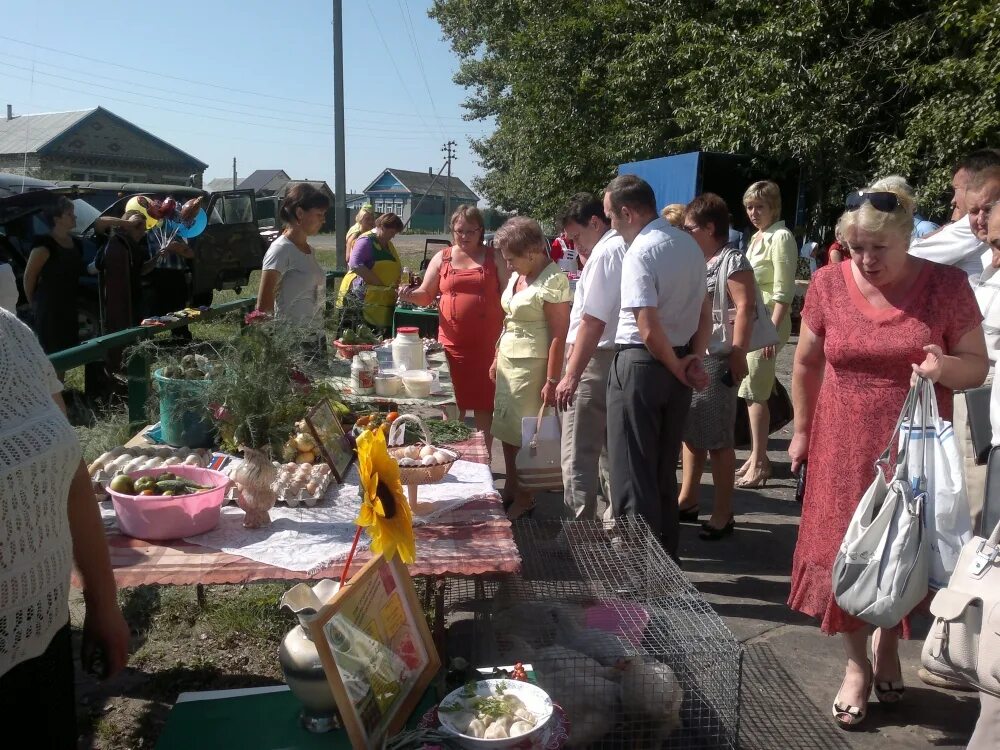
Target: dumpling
497,730
520,727
476,728
461,720
513,701
524,714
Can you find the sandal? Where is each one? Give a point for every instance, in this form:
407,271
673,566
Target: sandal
759,478
849,717
888,692
687,514
710,533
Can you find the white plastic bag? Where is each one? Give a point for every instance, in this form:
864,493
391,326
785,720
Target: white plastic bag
539,462
934,453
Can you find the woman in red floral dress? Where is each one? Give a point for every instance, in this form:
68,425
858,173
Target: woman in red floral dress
869,323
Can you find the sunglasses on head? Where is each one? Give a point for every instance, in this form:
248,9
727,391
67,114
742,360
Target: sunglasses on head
881,201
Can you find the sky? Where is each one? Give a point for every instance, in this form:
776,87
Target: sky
251,79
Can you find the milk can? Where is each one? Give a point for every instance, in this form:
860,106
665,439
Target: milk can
408,349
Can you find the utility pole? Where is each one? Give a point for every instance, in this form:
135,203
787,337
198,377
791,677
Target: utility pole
339,157
449,153
234,173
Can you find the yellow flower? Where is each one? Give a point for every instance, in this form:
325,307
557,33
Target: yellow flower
385,513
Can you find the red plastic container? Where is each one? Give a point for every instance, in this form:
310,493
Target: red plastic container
172,517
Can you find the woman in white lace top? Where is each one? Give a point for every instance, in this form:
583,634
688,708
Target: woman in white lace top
48,520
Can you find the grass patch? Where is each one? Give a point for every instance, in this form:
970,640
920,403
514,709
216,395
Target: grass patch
109,429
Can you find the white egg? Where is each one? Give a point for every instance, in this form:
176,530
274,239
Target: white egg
411,451
408,462
428,460
441,458
427,450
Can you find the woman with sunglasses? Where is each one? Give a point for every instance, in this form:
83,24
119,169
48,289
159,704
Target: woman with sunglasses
469,279
868,325
774,257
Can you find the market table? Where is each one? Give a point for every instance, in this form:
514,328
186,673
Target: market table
470,540
443,401
425,319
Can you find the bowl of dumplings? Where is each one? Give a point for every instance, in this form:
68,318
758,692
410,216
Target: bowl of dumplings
496,714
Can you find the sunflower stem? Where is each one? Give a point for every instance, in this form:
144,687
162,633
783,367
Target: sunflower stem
350,558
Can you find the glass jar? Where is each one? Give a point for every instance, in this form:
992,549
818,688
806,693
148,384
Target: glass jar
408,349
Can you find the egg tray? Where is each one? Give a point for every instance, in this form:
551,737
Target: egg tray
297,484
134,458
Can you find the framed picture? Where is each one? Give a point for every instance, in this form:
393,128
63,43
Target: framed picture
376,650
330,438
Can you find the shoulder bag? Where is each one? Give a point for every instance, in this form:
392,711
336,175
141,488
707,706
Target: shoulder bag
539,462
964,641
881,570
763,332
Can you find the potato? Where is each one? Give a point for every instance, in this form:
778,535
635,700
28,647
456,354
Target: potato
305,457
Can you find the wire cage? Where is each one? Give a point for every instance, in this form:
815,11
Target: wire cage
614,632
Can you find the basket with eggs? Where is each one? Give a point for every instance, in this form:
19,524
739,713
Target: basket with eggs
420,463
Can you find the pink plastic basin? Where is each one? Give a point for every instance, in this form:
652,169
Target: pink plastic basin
172,517
618,618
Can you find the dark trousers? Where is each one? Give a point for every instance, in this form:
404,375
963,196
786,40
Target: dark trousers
37,695
170,294
647,408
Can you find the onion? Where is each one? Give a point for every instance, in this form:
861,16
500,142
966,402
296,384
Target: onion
428,460
427,450
441,458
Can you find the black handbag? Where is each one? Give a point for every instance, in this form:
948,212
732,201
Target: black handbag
779,405
977,405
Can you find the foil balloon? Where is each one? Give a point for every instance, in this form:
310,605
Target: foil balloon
196,227
190,210
142,205
167,208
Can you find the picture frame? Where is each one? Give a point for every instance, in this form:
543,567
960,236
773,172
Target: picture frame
330,439
377,651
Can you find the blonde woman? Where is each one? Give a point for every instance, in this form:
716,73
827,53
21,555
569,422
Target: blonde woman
868,325
773,255
364,222
674,214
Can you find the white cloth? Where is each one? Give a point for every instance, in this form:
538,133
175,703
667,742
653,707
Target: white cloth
598,290
39,453
8,288
995,409
955,245
665,269
301,293
308,539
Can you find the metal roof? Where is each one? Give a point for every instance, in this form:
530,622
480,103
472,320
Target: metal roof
420,183
221,183
28,134
260,178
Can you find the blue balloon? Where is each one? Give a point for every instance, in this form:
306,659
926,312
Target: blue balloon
197,226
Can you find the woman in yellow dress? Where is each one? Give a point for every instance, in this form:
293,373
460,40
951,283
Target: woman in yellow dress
374,273
364,221
529,354
773,255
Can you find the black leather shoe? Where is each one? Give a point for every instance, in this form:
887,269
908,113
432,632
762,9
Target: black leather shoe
711,534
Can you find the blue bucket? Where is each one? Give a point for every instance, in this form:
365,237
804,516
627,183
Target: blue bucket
181,422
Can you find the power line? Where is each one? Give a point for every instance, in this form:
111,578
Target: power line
411,32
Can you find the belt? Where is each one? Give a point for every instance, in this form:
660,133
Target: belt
680,351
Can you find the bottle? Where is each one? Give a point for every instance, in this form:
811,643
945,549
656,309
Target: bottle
408,349
362,376
407,277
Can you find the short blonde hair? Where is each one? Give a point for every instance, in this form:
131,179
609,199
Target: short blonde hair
519,236
869,219
766,192
362,213
674,213
472,215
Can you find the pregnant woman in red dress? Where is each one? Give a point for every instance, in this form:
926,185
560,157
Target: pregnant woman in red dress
869,323
469,280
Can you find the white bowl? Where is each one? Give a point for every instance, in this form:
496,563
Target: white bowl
417,383
534,698
387,384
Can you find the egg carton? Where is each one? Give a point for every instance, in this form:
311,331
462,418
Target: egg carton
297,484
138,457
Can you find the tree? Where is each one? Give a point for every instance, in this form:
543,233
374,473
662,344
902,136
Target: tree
848,91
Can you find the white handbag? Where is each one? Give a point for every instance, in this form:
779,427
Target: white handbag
539,462
881,570
763,332
964,641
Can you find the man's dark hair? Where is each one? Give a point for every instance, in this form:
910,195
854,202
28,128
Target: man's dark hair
582,207
709,207
632,191
978,161
303,196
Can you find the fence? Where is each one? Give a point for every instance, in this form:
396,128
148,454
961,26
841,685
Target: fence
137,371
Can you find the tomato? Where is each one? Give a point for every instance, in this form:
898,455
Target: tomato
147,492
391,417
122,483
362,421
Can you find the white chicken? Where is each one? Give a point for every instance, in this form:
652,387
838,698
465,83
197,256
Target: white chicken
651,691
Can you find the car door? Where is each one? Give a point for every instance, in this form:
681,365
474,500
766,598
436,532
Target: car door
231,247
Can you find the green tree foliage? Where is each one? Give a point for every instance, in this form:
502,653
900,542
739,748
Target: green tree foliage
848,90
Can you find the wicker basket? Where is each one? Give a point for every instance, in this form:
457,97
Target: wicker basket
347,351
414,475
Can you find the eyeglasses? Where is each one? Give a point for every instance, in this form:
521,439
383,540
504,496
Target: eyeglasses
885,202
690,229
465,232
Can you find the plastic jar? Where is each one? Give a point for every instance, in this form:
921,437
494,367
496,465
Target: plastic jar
362,376
408,349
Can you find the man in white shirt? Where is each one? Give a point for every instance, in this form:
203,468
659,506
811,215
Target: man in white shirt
582,393
665,317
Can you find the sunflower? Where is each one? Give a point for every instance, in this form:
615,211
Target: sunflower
385,513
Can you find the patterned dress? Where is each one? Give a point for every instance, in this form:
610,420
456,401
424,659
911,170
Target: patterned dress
713,411
869,353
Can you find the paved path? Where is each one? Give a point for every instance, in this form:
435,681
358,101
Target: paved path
792,671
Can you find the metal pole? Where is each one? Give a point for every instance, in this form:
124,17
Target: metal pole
340,159
234,173
449,154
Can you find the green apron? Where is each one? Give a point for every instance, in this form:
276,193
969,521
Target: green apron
379,301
